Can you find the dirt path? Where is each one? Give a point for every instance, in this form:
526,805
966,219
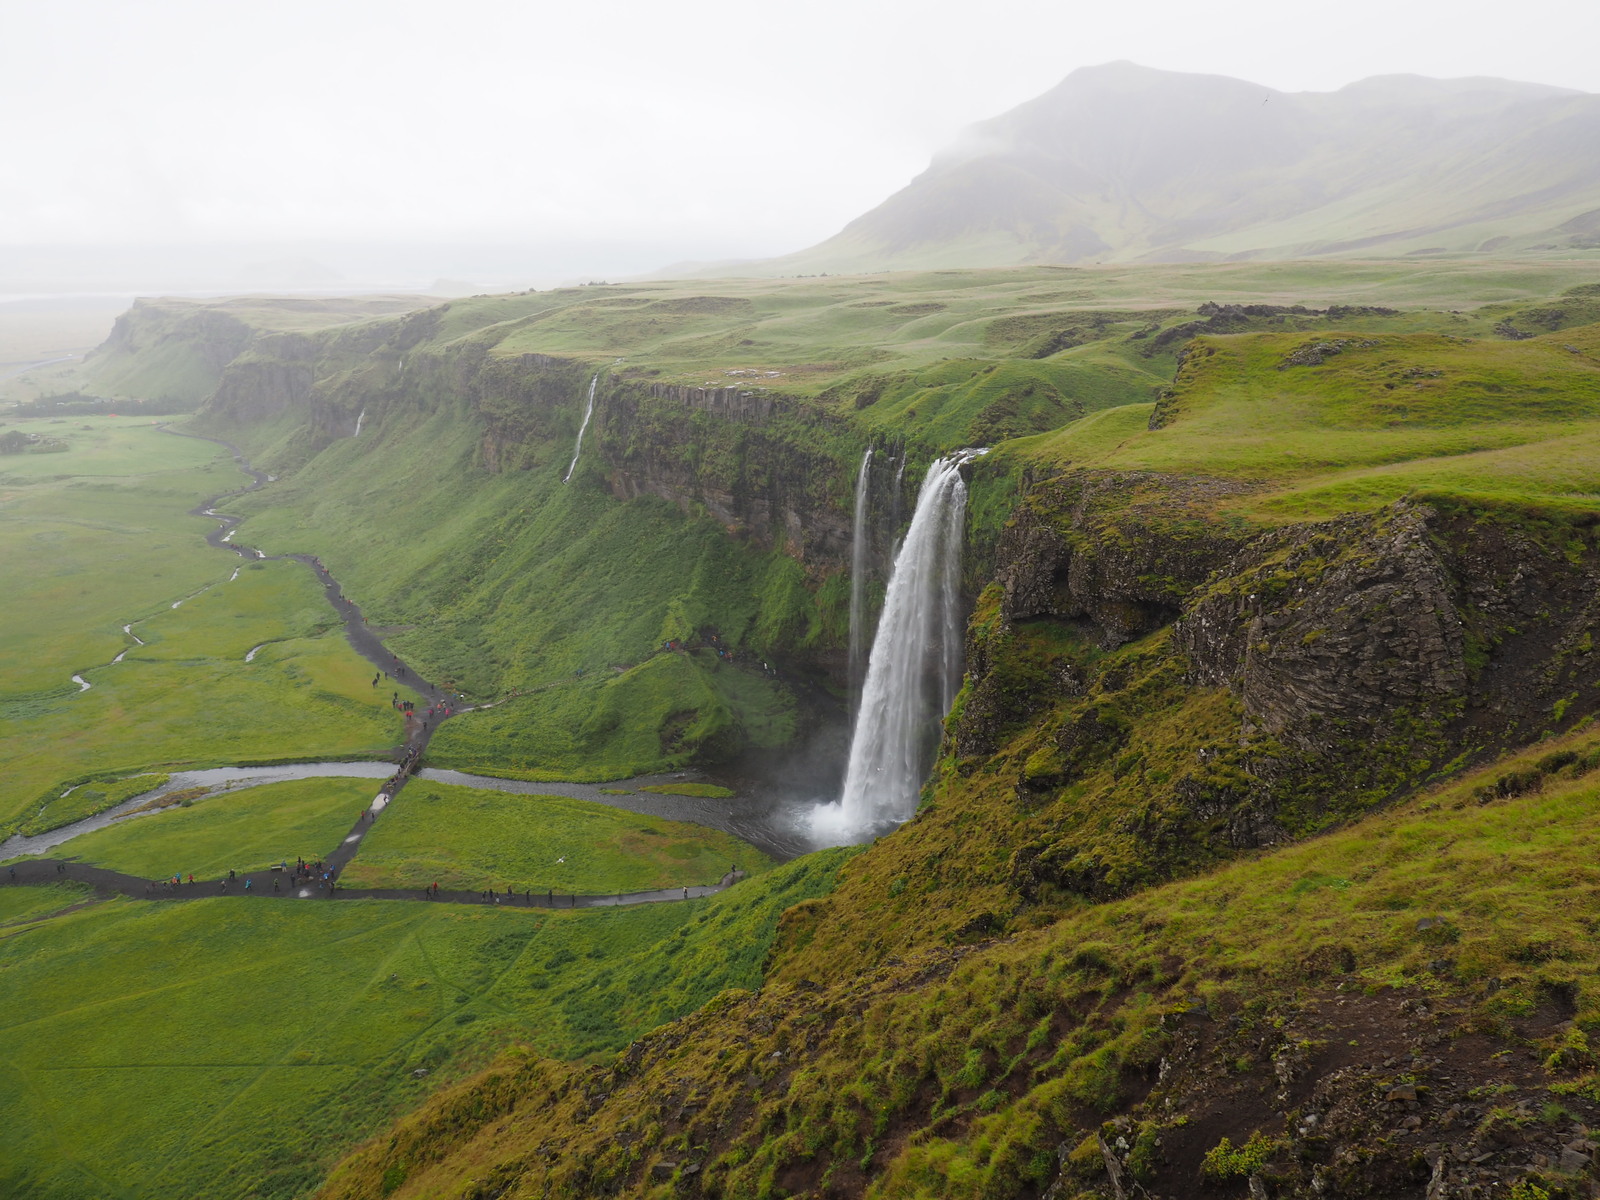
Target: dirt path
107,884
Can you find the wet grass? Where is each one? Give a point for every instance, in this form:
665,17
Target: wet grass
23,903
468,838
104,530
1389,416
189,697
85,800
97,536
224,1049
247,830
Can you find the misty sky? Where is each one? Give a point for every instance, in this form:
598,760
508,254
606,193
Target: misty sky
703,129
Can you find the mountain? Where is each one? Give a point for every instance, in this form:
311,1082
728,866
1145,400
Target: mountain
1122,163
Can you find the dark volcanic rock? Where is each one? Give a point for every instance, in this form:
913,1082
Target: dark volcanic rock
1331,627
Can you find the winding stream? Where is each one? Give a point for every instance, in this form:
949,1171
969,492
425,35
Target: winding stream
771,821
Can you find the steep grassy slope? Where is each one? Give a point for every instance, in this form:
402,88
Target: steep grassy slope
175,350
1440,948
519,584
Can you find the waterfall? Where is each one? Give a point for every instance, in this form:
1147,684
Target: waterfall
914,670
360,417
860,548
587,413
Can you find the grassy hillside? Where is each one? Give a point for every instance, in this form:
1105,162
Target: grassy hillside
1439,947
1378,417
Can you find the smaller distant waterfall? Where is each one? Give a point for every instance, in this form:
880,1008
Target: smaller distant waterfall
915,667
587,413
860,552
360,417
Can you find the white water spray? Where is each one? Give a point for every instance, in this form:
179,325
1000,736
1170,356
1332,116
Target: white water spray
915,667
587,413
360,417
860,547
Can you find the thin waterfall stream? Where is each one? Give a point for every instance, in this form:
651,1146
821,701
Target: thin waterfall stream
860,549
588,412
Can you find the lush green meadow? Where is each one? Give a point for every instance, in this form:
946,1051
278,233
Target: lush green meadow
98,536
245,830
1386,417
232,1048
22,904
88,799
189,697
468,838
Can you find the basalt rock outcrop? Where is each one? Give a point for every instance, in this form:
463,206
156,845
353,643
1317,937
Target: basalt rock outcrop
1117,552
1262,682
766,470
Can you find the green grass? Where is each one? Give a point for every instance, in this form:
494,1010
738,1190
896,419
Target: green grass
709,790
468,838
23,903
103,532
98,537
1407,414
310,700
223,1049
87,799
246,830
987,1060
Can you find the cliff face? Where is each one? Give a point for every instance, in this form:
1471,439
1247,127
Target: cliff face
767,469
771,471
1153,687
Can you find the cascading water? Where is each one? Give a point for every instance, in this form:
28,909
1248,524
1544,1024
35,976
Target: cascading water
360,417
587,413
915,667
860,548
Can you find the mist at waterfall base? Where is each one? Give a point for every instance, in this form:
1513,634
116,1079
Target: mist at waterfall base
914,669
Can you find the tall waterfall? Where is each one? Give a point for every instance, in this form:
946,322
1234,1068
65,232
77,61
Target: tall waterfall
587,413
360,417
860,552
915,667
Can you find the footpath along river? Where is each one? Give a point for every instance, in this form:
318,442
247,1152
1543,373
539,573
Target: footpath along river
770,820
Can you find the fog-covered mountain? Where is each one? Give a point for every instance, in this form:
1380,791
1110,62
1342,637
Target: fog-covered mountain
1124,163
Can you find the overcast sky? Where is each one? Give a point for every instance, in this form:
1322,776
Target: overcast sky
699,129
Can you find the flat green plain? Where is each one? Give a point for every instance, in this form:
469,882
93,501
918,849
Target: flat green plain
470,838
245,830
121,551
96,537
225,1048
